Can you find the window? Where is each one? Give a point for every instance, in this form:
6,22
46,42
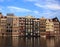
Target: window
8,24
9,30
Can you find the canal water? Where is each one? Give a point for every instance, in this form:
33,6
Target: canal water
29,42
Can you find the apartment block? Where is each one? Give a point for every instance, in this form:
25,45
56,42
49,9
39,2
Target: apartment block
59,27
29,25
12,25
15,27
42,26
21,26
56,25
3,23
36,26
9,24
49,27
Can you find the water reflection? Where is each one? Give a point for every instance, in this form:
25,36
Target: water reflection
29,42
50,42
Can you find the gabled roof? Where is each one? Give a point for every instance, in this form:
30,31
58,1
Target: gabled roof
55,19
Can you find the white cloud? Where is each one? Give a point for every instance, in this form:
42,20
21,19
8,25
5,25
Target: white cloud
49,6
1,8
50,14
53,6
55,13
52,1
18,9
38,5
14,9
36,12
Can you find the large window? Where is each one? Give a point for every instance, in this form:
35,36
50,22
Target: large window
9,30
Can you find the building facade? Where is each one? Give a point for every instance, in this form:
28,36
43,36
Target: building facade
36,25
56,26
11,25
29,25
21,26
15,27
59,27
49,27
42,26
3,23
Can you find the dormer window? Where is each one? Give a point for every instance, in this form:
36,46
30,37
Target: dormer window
56,19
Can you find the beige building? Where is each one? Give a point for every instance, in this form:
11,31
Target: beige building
49,27
9,24
3,23
15,28
42,26
12,25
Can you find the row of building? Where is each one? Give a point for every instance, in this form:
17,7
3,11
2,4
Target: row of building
11,25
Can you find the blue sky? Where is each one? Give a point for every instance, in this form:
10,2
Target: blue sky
36,8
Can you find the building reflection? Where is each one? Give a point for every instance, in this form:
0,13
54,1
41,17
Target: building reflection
2,41
50,42
43,42
29,42
22,42
25,42
57,42
5,41
15,41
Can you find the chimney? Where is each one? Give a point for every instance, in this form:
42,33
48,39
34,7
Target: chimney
0,14
10,14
